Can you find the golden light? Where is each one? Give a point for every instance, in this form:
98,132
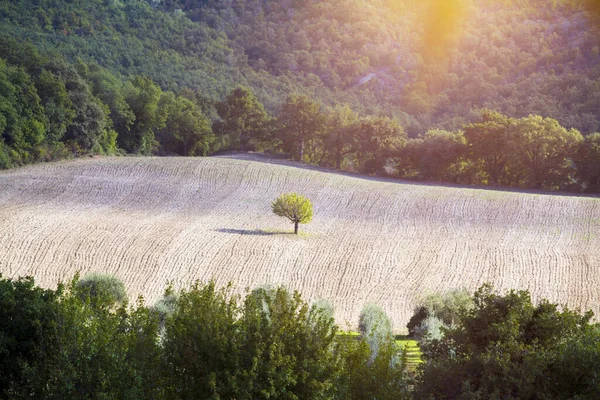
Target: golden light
444,20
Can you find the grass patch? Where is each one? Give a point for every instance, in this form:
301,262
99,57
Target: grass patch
413,351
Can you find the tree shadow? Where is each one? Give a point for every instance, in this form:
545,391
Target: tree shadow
253,232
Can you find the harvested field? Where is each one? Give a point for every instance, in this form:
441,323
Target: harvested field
154,220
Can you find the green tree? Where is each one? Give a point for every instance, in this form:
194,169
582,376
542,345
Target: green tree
505,347
340,133
99,351
187,130
487,142
200,344
375,327
244,119
288,349
377,140
28,316
294,207
588,163
543,152
22,119
144,98
364,376
439,154
91,120
300,127
57,104
101,290
374,366
112,91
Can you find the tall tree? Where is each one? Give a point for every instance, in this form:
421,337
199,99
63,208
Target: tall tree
506,347
339,133
588,163
543,152
22,119
487,142
244,118
376,140
439,155
300,126
144,99
187,130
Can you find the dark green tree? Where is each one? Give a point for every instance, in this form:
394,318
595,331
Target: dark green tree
201,345
22,119
504,347
244,120
542,151
440,156
288,348
95,349
339,138
588,163
145,99
487,142
28,316
187,130
378,139
300,127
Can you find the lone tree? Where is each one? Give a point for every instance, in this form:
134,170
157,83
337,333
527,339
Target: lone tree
294,207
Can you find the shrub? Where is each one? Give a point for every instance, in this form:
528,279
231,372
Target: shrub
102,290
375,327
445,308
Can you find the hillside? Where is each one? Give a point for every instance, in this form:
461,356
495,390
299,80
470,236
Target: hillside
154,220
428,64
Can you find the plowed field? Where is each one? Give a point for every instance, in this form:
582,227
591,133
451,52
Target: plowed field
154,220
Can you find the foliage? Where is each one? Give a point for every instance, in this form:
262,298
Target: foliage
440,154
288,347
294,207
300,127
441,308
28,315
487,142
339,139
367,377
505,347
544,151
375,327
377,140
200,344
101,290
588,163
244,120
272,344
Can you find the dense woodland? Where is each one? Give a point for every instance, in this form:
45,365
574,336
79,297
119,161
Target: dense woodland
502,93
83,340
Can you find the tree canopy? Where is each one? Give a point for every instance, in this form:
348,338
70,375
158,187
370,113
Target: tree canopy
294,207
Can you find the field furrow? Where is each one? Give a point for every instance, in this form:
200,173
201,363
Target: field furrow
156,220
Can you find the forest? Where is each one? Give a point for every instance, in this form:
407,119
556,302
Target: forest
83,340
501,93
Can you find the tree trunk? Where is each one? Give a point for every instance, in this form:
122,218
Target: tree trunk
295,227
301,150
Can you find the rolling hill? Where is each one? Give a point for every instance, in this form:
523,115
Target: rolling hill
156,220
